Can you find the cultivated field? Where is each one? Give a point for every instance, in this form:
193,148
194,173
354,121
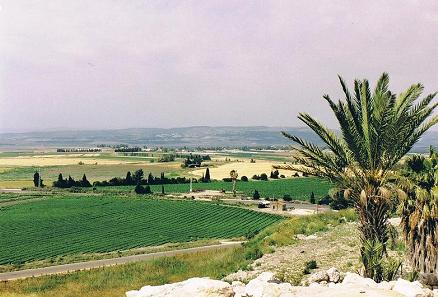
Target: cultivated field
69,225
244,168
298,188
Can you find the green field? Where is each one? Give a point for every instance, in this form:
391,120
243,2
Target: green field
297,188
76,225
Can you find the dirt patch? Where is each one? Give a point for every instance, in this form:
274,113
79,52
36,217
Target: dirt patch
338,247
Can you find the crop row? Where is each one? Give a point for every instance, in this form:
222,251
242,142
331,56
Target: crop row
67,226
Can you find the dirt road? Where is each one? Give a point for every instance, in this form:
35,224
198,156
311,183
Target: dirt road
66,268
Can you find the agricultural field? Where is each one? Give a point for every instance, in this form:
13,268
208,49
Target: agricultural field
244,168
17,169
298,188
69,225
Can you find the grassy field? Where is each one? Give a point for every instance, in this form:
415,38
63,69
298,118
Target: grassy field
86,224
97,172
115,281
297,188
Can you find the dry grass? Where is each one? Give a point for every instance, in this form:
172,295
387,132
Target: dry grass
338,248
55,160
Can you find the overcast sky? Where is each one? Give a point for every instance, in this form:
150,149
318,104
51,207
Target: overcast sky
117,64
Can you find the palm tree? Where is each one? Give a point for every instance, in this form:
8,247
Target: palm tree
234,175
419,211
377,129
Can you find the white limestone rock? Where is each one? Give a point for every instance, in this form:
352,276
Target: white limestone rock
318,277
354,279
199,287
409,289
334,275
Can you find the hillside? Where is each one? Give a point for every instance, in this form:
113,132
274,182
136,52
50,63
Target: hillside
173,137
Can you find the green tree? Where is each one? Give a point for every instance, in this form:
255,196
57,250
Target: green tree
418,209
37,181
85,182
377,129
312,198
138,176
128,179
207,175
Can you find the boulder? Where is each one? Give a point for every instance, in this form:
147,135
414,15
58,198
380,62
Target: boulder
318,277
199,287
409,289
354,279
384,285
334,275
239,276
265,285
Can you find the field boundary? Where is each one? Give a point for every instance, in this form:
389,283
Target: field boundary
80,266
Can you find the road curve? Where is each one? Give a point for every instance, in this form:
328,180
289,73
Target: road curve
66,268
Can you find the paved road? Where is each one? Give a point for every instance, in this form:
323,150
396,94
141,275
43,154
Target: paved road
66,268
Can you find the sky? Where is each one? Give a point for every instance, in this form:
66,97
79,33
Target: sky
129,63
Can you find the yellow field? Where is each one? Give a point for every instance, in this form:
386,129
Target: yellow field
15,184
243,168
54,160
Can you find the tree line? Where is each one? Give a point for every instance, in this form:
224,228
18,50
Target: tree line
131,179
71,182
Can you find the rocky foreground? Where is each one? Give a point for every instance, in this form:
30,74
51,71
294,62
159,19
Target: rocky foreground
325,283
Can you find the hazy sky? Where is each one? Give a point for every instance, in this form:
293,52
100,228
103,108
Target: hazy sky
117,64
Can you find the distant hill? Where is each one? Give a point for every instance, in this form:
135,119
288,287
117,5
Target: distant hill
202,136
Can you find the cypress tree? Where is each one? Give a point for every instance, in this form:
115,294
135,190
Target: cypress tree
207,175
36,179
85,182
128,179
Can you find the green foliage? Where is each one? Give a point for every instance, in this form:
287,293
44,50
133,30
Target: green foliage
391,267
309,265
312,198
256,195
371,257
287,197
377,128
77,224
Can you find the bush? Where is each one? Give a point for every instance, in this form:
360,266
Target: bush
312,198
311,264
325,201
139,189
256,195
227,179
287,197
255,177
264,176
244,178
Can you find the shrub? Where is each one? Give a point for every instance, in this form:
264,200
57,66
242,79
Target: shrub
312,198
264,176
227,179
311,264
244,178
256,195
325,201
287,197
139,189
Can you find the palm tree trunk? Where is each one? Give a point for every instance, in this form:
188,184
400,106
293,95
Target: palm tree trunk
423,246
373,225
